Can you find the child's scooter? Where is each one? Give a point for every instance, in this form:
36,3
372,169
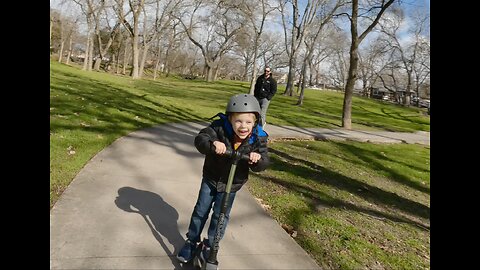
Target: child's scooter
211,262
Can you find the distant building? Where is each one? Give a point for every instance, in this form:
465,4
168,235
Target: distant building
379,93
281,78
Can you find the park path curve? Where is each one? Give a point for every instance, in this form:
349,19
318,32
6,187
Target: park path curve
129,207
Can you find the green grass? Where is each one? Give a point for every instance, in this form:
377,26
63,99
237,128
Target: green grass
89,110
324,109
354,205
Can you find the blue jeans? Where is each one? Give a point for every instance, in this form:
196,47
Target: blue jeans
264,102
208,197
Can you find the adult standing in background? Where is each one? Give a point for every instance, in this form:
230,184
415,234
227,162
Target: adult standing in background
265,89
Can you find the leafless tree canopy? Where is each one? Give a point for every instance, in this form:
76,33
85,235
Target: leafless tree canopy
354,46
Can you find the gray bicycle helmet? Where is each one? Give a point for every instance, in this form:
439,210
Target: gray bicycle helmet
243,103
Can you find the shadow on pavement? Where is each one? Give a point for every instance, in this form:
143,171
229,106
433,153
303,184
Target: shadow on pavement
160,216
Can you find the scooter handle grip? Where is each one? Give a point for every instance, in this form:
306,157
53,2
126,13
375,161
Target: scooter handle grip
231,154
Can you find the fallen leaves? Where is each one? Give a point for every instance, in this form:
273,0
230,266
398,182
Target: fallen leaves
290,230
265,206
70,150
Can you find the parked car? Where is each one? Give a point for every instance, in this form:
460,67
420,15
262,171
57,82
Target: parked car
424,103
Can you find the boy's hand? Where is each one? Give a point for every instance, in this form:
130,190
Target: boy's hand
254,157
220,147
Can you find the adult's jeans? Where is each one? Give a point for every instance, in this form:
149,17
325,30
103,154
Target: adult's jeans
264,102
208,197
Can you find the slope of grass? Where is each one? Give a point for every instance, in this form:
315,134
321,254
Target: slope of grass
89,110
354,205
324,109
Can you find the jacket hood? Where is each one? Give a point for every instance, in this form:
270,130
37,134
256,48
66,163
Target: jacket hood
256,132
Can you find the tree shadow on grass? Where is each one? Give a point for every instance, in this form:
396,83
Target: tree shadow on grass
372,157
322,175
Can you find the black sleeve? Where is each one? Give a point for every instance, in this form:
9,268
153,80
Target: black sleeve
258,87
204,140
273,89
264,161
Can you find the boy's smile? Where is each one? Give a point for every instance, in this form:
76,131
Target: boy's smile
242,124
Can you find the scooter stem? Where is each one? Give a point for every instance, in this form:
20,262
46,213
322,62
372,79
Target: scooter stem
212,258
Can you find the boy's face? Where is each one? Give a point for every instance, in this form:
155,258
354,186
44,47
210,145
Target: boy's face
242,123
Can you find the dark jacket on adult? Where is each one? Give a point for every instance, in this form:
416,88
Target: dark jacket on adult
265,88
216,168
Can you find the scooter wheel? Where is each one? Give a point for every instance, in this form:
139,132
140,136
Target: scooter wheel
196,263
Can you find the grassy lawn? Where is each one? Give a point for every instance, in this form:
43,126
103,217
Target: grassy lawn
353,205
89,110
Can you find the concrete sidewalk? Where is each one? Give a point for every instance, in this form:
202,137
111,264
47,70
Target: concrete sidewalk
276,132
129,207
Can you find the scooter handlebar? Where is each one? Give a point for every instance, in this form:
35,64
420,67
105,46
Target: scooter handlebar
234,154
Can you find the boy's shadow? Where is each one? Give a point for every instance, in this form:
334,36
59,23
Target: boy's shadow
158,214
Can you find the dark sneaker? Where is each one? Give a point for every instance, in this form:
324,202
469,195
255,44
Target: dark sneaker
187,252
205,250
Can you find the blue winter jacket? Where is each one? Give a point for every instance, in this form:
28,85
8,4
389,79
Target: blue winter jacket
216,168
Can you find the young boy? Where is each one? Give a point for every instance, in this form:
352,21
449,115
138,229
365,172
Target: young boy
238,129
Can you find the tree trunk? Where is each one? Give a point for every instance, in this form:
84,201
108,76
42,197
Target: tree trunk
209,73
215,73
96,65
60,53
90,55
290,78
143,60
135,51
253,80
409,87
352,77
117,65
70,42
87,50
157,62
125,60
254,67
245,69
302,83
51,27
310,76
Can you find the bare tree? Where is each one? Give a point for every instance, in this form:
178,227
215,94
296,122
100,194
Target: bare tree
272,51
406,53
393,79
166,41
218,24
161,21
67,30
52,20
109,32
335,68
256,17
375,10
135,8
245,51
421,69
172,45
323,49
323,17
300,27
371,63
89,8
